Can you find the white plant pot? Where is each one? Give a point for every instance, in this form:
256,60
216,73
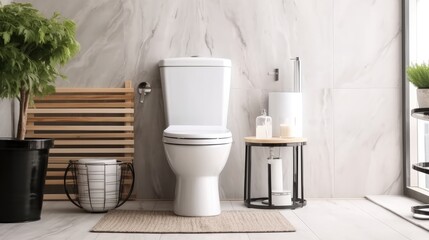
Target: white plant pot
423,97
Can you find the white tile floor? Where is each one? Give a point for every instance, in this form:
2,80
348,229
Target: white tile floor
400,205
328,219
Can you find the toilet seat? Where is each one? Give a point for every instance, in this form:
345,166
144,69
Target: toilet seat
197,135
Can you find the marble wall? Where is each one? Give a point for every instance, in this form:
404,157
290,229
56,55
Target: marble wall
351,61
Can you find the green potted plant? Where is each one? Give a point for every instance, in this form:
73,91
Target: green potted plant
418,75
32,49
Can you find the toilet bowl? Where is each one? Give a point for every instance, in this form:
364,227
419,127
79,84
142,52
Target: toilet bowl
197,155
196,140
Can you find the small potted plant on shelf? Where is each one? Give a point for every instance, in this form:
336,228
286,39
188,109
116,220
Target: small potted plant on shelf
32,48
418,75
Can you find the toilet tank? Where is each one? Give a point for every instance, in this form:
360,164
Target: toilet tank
196,90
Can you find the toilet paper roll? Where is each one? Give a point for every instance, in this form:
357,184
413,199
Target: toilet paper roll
276,174
281,198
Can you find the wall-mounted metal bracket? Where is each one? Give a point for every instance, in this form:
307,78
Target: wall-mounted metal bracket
144,89
276,74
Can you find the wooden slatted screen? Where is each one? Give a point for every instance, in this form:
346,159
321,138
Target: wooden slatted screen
85,123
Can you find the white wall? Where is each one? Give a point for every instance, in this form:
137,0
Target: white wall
6,118
5,107
351,59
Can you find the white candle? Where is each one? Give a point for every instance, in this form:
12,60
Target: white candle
287,131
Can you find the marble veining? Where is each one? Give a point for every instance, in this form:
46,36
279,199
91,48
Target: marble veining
360,137
345,46
358,63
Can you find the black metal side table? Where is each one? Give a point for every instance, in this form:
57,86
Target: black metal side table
421,211
297,176
420,113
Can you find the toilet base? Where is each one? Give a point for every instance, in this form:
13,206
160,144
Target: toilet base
197,196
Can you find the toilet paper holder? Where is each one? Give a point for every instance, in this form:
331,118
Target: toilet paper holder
297,74
276,74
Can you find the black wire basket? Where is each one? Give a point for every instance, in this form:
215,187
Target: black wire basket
99,186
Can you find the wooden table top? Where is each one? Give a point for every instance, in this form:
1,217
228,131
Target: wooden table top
274,140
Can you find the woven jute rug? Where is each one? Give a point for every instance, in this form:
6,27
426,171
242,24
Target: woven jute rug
166,222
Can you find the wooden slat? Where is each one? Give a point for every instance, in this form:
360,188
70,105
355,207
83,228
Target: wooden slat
80,110
65,160
55,173
91,150
64,163
80,128
84,105
57,181
61,174
275,140
94,90
58,165
81,119
94,142
70,181
81,135
84,97
50,197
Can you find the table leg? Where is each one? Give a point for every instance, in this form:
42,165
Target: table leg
249,172
295,173
302,174
245,172
269,186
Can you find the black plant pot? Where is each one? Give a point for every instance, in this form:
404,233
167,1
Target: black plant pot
23,167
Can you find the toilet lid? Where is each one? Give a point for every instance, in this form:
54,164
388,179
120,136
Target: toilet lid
197,135
197,132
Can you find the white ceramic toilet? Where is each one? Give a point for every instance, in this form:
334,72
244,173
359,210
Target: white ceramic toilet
196,141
